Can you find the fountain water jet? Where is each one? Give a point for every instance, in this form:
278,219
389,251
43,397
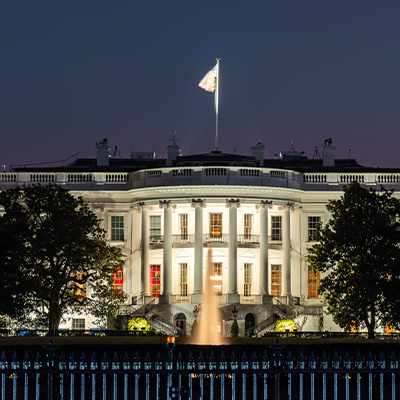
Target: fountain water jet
209,329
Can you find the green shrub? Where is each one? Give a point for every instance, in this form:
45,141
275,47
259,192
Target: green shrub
285,325
138,324
235,329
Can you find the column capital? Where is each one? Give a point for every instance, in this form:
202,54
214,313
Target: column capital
165,203
198,203
264,204
139,206
289,206
232,203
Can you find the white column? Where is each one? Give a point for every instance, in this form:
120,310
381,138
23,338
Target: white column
264,247
167,250
286,265
233,296
198,205
145,253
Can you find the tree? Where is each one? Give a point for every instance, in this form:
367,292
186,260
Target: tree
51,245
359,254
104,302
234,328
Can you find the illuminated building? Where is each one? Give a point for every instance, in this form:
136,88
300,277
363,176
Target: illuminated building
256,214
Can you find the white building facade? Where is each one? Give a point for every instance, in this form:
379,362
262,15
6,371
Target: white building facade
251,219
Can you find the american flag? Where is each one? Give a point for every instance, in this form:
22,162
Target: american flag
208,82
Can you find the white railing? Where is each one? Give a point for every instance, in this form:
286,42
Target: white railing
200,175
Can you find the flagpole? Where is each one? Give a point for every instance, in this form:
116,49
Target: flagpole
216,105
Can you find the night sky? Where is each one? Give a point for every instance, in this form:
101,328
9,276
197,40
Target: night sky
75,72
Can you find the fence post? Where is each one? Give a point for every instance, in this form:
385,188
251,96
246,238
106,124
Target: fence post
278,364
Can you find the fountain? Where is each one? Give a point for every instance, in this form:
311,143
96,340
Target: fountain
209,329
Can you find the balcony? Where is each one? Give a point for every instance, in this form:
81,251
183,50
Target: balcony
248,240
182,239
215,239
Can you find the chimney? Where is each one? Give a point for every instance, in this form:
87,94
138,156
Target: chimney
257,152
173,149
328,154
102,153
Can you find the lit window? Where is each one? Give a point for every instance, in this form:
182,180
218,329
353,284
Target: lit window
248,226
313,222
183,226
183,279
155,275
313,283
217,278
276,227
78,323
216,225
354,328
155,226
388,329
247,279
80,288
276,280
117,228
118,280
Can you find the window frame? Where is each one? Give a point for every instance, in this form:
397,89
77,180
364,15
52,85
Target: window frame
153,229
313,228
111,229
247,278
155,281
276,228
276,287
215,229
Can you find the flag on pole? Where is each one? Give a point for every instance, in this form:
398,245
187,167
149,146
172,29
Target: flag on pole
208,82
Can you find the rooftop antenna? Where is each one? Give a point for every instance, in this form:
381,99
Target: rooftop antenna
115,153
316,153
349,153
173,138
291,145
234,150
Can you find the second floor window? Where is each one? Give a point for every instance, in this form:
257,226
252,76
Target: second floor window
117,228
155,226
313,222
276,227
248,225
216,225
183,226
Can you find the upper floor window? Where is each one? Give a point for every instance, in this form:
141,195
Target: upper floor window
183,226
117,228
276,227
216,225
155,226
313,222
248,225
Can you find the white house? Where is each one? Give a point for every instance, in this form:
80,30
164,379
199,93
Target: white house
251,218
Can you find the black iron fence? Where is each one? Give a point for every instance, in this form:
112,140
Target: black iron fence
199,372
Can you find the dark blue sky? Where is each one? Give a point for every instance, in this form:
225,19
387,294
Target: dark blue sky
74,72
